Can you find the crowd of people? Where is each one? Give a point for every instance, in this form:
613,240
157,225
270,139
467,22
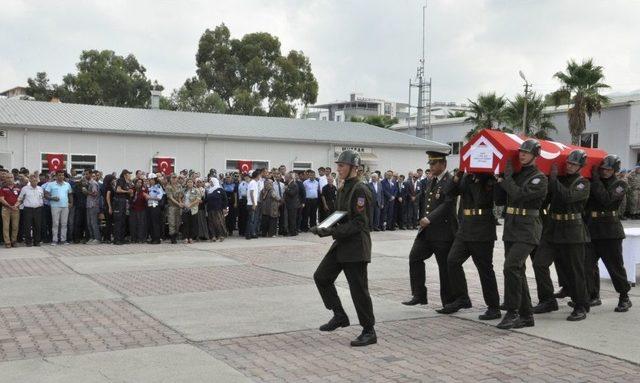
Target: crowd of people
91,208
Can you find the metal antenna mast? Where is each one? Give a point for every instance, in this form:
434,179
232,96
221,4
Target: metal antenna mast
423,108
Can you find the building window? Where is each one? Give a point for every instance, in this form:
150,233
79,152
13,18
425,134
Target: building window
232,165
589,140
455,147
302,166
44,167
82,162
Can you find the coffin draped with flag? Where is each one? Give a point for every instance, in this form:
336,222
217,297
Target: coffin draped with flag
489,150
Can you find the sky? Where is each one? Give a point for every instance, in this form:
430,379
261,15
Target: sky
371,47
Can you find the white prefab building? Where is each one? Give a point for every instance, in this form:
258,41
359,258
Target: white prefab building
111,139
616,130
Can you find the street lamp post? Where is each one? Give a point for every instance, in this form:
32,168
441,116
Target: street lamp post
526,99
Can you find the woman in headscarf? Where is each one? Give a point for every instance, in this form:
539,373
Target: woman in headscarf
192,199
217,208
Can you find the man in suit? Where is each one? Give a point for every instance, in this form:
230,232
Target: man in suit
378,202
291,204
390,192
302,196
409,202
399,208
438,226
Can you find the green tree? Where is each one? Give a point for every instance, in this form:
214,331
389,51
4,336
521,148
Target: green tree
194,96
104,78
487,112
581,85
381,121
251,75
39,87
456,114
538,123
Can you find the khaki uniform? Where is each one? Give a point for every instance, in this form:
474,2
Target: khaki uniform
633,195
174,212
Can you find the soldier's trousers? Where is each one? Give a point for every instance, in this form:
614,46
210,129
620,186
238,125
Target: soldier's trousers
570,257
516,289
539,267
481,252
174,217
356,274
422,250
610,250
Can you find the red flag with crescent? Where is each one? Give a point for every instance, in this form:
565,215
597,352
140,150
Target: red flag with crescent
245,166
164,165
55,162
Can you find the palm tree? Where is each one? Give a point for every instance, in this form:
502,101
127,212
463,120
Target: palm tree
486,113
381,121
538,123
581,84
456,114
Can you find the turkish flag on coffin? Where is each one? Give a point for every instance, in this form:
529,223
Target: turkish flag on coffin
55,162
489,150
164,165
245,166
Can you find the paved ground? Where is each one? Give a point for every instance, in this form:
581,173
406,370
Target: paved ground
248,311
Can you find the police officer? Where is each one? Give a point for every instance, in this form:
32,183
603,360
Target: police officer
565,237
475,239
603,220
350,252
438,226
525,192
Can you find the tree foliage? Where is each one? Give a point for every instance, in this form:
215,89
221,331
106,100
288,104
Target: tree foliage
251,76
194,96
456,114
538,123
381,121
39,87
487,112
581,86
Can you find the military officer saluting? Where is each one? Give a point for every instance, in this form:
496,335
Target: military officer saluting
603,221
438,226
565,237
475,238
525,192
350,252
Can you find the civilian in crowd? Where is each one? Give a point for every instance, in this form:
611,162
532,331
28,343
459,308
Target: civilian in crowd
279,188
109,185
302,196
322,182
80,192
270,204
217,206
155,196
71,219
390,191
243,186
46,210
230,189
10,211
329,195
191,200
138,211
123,194
202,228
311,189
60,196
23,180
409,213
252,206
175,197
93,208
377,223
32,198
398,208
291,204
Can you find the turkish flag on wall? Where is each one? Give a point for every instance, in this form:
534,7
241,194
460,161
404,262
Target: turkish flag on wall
164,165
55,162
245,166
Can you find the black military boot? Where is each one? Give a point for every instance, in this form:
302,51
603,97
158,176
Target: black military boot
509,320
562,293
416,300
340,319
455,306
592,302
546,306
524,321
367,337
490,314
578,314
624,304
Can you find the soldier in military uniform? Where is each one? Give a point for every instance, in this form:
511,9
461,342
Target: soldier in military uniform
350,252
633,194
525,192
603,221
175,195
438,227
475,239
565,237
